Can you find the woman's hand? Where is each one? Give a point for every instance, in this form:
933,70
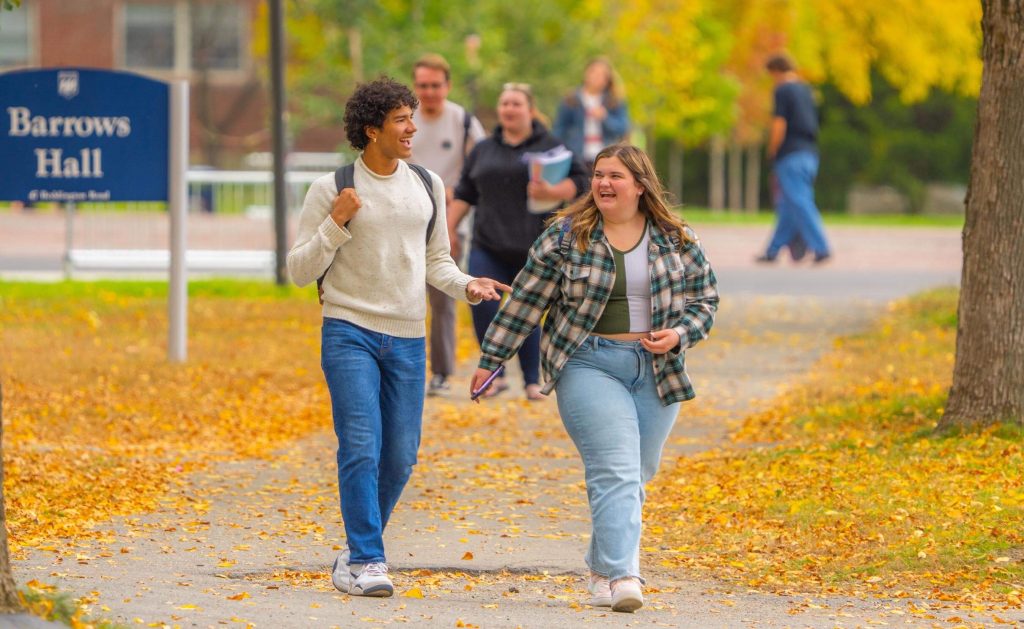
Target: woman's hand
541,190
661,341
485,288
478,380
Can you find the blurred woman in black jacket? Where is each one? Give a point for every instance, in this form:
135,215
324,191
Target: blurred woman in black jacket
496,179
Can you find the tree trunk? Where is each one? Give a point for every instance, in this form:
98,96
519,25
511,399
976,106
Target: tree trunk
675,170
753,179
355,53
988,376
716,173
9,601
735,176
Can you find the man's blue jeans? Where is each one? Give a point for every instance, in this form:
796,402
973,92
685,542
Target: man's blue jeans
610,407
796,211
376,383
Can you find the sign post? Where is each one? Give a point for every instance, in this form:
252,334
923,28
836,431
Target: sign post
177,206
73,135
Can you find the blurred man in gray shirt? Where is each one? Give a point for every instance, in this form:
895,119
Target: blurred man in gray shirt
446,133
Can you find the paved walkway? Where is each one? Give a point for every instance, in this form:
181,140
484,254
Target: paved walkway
493,525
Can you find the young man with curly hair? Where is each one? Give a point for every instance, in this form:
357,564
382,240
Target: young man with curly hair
373,247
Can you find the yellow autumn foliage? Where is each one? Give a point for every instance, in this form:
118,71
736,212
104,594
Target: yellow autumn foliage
842,487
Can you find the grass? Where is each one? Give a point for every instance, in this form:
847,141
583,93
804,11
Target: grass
844,485
704,216
155,289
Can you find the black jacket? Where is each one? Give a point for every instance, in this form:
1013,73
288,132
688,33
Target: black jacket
494,179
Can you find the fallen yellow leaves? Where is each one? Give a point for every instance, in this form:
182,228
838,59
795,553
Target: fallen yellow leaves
855,495
98,424
413,593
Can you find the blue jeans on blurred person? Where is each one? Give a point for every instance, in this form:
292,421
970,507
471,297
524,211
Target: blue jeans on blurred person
376,383
610,407
484,264
796,213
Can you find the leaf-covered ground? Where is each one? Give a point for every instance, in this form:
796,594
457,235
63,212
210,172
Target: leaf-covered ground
843,486
840,486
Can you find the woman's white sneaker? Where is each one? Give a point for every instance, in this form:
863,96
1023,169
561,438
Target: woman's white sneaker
626,595
600,591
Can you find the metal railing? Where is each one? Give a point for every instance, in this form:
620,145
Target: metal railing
243,191
230,232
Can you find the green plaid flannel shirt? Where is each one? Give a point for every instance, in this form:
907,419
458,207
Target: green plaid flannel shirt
576,286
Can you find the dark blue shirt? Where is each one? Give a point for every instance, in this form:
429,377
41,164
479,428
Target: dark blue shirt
794,103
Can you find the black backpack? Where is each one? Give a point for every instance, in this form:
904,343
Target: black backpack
344,177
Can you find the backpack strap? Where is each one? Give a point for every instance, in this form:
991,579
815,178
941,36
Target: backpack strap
467,120
428,183
344,177
564,244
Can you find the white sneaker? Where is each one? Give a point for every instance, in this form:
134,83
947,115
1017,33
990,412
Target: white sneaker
600,591
370,580
340,574
361,580
626,595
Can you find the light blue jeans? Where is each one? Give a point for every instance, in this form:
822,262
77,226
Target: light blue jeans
611,409
376,383
796,211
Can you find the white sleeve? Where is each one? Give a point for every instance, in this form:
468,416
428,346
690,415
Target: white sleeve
442,272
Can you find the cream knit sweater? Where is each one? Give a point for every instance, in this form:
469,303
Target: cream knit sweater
381,261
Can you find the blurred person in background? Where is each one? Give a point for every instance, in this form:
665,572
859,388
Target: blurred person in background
496,179
594,115
445,134
793,148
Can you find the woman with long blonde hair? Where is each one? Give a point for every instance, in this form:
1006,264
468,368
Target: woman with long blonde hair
627,289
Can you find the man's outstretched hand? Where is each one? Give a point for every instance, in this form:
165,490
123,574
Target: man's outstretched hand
484,288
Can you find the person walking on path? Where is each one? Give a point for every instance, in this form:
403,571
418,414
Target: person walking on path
793,145
374,249
594,115
445,134
629,290
496,179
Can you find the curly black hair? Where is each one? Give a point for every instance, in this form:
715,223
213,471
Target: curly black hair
370,105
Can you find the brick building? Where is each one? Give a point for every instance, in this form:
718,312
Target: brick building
207,42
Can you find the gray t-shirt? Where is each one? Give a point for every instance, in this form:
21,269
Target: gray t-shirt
441,144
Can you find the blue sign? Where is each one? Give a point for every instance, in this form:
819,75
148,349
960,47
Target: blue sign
78,134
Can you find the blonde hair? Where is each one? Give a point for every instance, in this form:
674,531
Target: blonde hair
433,61
527,91
584,216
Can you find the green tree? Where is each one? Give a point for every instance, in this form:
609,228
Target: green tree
334,44
890,142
